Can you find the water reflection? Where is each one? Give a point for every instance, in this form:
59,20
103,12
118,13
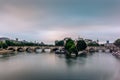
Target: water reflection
46,66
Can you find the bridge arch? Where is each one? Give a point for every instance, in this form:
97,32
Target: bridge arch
13,49
29,49
20,49
36,48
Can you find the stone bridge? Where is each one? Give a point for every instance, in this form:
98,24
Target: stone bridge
101,48
54,48
34,48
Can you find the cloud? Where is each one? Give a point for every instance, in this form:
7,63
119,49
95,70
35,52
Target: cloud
20,18
48,20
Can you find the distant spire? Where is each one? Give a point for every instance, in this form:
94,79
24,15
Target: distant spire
97,40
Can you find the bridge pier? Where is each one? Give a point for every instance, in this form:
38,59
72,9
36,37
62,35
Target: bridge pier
51,50
43,51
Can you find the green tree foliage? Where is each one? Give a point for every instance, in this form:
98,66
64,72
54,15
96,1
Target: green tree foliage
3,45
81,45
59,43
93,44
117,43
16,43
10,43
70,46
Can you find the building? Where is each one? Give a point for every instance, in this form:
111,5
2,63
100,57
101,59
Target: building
16,39
3,39
24,41
80,38
88,41
108,44
42,43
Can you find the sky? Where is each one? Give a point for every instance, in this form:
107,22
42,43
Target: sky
50,20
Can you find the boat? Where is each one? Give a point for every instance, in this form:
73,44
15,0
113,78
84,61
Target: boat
60,52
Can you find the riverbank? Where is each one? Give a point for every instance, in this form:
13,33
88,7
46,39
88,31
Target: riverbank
3,51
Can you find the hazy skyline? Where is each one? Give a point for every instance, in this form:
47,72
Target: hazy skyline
50,20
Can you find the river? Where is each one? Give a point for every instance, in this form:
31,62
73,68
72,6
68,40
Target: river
48,66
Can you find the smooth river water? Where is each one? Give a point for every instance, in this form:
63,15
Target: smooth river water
48,66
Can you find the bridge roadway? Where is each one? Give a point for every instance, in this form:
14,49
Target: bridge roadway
33,48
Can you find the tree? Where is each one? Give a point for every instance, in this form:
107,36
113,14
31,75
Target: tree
18,43
70,47
59,43
3,45
10,43
117,43
93,44
81,45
